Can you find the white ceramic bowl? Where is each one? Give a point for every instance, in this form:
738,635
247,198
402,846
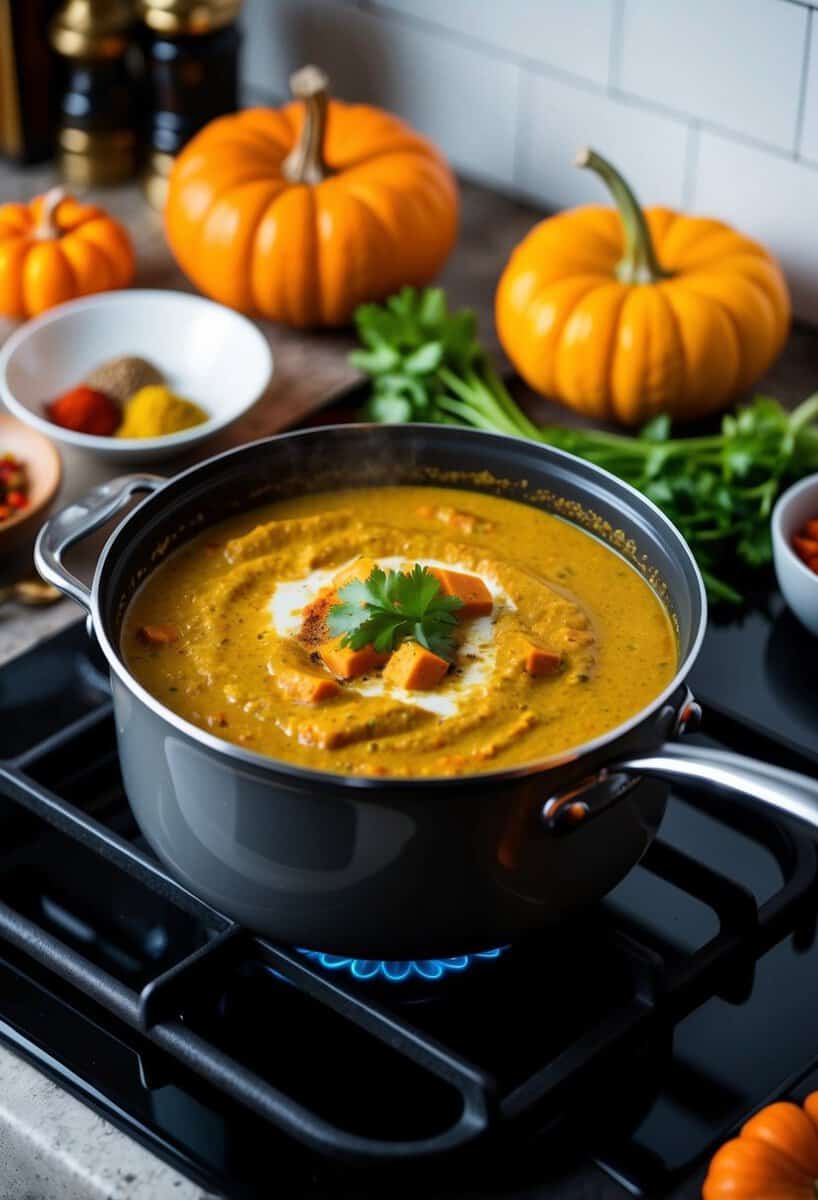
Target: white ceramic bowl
798,584
208,354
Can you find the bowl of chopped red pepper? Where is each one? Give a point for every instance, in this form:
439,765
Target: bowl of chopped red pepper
30,473
795,549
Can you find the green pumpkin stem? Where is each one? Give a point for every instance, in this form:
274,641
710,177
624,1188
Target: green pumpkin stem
305,162
639,263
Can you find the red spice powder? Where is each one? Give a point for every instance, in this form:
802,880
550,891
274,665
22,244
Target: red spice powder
85,410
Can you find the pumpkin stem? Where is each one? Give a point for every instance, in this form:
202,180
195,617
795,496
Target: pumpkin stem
47,228
305,162
639,263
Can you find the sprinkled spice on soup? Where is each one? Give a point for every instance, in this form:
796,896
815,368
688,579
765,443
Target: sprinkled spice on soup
400,632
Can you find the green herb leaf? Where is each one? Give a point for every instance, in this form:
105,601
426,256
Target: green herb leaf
391,606
428,358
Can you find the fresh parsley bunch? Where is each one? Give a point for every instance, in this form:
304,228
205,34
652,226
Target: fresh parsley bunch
426,364
720,489
390,607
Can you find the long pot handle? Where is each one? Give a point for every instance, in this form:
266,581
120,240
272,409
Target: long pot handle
78,521
758,785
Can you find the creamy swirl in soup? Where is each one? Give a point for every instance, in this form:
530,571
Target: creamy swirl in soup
299,631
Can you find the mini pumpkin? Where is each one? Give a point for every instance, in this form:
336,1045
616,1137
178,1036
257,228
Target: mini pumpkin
301,213
55,249
775,1157
622,313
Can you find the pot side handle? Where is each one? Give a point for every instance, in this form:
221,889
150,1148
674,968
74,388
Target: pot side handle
756,784
76,522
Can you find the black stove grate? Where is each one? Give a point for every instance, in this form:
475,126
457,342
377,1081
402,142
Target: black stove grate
85,900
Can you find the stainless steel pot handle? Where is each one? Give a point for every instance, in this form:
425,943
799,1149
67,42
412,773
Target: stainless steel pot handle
756,784
76,522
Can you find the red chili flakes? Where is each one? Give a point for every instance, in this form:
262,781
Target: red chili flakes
805,544
13,486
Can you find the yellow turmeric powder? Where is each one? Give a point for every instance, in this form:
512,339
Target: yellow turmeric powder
155,410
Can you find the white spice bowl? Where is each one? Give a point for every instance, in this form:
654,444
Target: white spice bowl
798,584
207,353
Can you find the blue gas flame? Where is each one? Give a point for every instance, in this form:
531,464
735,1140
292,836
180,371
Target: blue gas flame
429,969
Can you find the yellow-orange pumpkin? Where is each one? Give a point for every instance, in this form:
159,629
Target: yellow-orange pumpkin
622,314
55,249
301,213
775,1157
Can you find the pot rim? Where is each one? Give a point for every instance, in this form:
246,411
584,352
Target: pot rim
317,777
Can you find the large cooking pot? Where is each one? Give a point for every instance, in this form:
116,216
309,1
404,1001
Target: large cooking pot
398,868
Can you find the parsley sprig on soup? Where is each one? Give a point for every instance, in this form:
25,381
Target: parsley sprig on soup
400,631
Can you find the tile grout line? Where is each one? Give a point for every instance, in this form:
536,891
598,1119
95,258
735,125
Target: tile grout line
801,114
617,46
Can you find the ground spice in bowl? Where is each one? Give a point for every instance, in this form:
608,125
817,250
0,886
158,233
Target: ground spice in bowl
121,377
156,411
85,410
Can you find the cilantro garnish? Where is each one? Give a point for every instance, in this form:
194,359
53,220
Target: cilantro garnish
391,607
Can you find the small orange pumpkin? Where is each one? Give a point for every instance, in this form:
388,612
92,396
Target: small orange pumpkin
301,213
55,249
775,1157
622,313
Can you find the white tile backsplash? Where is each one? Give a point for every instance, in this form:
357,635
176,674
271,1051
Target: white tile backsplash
510,89
275,43
463,99
570,35
735,63
771,198
562,118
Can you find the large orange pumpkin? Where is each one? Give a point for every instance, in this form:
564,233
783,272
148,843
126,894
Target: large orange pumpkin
775,1157
301,213
55,249
622,313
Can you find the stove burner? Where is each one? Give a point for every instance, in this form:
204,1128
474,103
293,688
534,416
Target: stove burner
430,969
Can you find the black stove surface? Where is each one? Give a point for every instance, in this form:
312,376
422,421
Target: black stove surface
636,1038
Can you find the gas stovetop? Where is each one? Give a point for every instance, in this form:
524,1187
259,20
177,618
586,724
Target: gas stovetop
637,1037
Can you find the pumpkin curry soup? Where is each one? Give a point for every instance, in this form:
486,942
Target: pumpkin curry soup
400,631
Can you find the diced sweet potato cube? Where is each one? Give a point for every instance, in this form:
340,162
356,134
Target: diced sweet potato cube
306,687
812,563
361,569
470,589
347,663
811,529
159,635
539,662
415,668
805,548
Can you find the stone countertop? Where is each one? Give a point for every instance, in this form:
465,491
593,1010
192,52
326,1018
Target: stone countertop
52,1146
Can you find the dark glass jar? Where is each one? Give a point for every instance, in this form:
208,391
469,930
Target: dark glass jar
99,102
192,57
193,79
97,142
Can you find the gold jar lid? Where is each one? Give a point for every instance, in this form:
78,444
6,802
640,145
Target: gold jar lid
188,16
92,28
